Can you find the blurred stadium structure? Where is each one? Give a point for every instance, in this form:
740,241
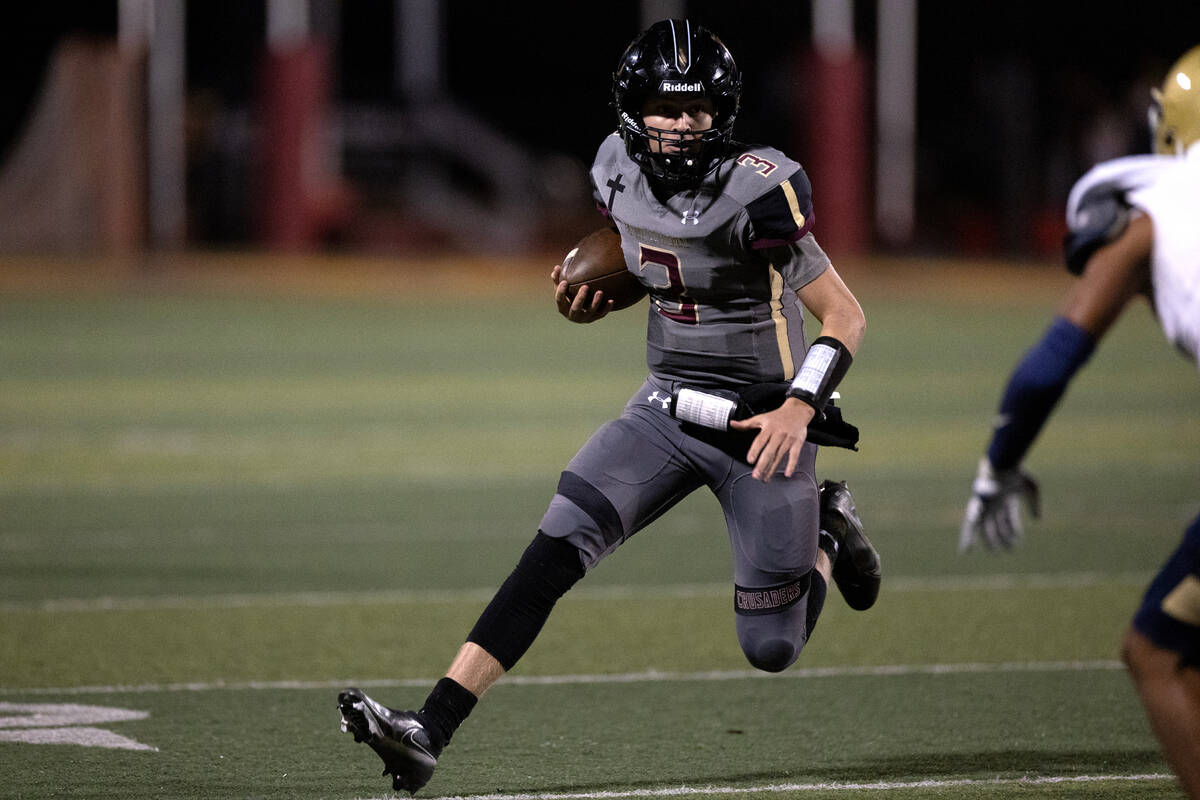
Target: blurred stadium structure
394,126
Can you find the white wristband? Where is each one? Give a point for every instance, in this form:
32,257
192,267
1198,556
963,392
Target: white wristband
824,366
813,370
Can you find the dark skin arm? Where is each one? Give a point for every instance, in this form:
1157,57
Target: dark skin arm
1113,276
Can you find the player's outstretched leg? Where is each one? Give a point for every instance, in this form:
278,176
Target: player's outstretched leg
857,570
398,737
1170,694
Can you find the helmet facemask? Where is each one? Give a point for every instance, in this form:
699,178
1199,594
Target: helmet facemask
698,154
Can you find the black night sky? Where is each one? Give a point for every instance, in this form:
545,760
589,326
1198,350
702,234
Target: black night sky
1003,87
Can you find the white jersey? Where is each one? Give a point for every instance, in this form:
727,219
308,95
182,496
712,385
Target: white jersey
1167,189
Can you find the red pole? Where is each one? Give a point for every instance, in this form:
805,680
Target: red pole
835,154
300,196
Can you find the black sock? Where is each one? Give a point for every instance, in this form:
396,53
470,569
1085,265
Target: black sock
816,600
445,709
826,542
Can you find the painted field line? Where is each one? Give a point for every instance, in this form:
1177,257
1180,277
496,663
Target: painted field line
950,583
651,676
788,788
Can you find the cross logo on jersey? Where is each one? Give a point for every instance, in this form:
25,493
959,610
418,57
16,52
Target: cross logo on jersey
616,186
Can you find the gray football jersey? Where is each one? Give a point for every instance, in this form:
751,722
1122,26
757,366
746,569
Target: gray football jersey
722,264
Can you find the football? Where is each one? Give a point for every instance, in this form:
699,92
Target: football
599,262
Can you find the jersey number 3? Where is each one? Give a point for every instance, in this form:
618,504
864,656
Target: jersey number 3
682,308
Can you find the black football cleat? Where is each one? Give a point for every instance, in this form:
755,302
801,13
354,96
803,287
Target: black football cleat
397,737
857,570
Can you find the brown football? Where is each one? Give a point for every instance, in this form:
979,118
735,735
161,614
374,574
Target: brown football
599,262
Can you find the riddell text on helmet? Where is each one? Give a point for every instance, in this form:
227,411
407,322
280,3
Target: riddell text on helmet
680,86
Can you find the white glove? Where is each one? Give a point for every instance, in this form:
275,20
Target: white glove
993,513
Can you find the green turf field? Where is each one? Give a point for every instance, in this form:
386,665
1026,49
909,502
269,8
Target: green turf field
217,509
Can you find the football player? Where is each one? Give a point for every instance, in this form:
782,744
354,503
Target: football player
720,233
1133,232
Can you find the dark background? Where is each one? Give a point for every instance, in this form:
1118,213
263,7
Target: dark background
1015,99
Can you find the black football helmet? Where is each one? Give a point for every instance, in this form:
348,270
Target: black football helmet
678,59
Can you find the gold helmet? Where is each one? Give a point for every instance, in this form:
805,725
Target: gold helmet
1175,110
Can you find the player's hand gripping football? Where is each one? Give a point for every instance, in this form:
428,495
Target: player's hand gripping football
993,515
585,306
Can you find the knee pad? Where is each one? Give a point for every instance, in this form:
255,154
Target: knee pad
773,655
516,614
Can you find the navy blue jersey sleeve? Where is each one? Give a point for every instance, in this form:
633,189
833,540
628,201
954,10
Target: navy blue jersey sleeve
1034,389
783,214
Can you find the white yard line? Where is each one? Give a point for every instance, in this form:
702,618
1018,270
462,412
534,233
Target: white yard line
885,670
950,583
788,788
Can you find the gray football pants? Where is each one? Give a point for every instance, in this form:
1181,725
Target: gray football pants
635,468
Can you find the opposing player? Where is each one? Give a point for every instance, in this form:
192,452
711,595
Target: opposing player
720,234
1134,231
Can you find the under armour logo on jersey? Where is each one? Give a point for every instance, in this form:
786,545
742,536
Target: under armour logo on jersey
664,401
691,217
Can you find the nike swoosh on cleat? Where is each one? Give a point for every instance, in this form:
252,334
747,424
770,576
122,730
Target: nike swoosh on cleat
409,738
